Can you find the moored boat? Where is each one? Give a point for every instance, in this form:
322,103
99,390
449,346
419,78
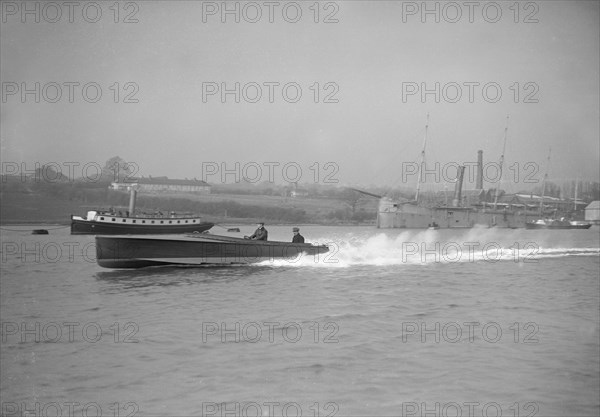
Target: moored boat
557,224
554,223
195,249
98,222
110,222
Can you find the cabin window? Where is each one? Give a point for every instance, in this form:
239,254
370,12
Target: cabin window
152,221
143,221
134,221
101,218
113,219
123,220
178,221
186,221
170,222
161,222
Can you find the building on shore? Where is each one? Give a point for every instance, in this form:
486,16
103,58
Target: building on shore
163,184
592,212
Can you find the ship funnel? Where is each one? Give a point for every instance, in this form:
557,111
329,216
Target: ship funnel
479,183
132,194
458,187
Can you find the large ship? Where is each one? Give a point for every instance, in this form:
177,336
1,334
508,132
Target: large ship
478,208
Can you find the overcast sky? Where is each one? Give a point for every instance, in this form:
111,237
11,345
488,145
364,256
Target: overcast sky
367,59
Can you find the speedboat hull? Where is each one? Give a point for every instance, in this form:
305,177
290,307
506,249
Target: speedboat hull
196,249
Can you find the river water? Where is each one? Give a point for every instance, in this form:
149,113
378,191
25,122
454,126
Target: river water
478,322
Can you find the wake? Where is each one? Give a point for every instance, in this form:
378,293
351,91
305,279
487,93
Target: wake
444,247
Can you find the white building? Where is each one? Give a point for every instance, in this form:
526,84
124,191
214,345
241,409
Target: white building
592,212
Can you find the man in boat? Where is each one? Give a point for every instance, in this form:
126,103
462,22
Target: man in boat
298,238
260,233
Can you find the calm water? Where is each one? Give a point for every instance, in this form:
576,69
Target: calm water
391,323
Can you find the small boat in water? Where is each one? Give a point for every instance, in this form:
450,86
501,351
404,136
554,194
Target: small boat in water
109,222
562,223
98,222
195,249
433,226
557,224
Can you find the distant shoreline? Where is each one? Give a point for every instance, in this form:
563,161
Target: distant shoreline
55,206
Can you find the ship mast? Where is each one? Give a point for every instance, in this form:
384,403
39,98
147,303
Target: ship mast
422,160
575,198
544,183
501,163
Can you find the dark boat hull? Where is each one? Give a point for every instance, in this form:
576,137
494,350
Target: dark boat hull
144,251
90,227
533,226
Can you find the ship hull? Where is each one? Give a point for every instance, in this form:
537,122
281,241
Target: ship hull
412,216
145,251
92,227
536,226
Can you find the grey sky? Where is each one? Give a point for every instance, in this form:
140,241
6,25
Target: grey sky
368,55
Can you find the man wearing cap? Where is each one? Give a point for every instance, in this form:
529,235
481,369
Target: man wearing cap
298,238
260,233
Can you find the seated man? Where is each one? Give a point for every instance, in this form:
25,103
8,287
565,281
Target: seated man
260,233
298,238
